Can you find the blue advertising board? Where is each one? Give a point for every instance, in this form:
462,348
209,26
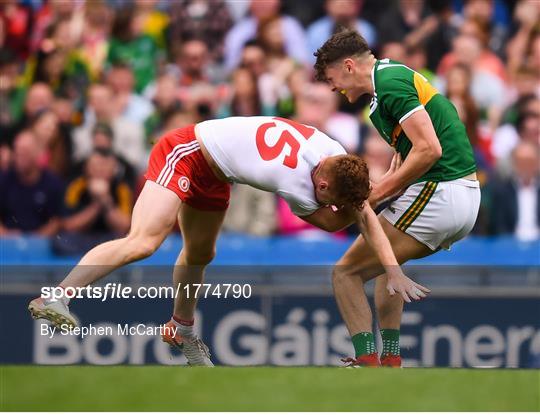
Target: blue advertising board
284,330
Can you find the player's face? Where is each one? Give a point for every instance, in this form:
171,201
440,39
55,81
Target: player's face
325,195
341,78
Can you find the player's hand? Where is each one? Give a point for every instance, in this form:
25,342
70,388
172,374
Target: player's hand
374,198
98,188
401,284
394,166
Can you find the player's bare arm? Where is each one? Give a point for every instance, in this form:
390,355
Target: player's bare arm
330,220
426,150
398,282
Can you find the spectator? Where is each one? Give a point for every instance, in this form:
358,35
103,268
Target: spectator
38,98
487,89
128,136
94,45
12,96
58,65
208,20
193,64
245,97
287,93
416,59
15,27
306,11
484,59
524,87
97,203
5,158
199,88
377,154
339,13
180,119
31,199
276,89
166,103
436,39
526,127
412,26
395,51
66,113
402,19
251,211
126,102
153,21
53,144
130,45
254,59
519,47
482,11
270,37
529,127
458,91
316,105
54,11
488,60
102,143
516,201
246,29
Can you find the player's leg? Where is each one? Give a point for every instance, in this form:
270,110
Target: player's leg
200,230
357,266
389,309
153,216
438,214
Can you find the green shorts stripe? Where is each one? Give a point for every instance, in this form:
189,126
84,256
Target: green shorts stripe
416,207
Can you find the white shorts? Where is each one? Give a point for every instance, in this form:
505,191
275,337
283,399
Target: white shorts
436,214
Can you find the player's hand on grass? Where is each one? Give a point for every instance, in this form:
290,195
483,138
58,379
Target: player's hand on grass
401,284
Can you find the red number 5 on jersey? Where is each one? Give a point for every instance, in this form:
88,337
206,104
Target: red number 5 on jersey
271,152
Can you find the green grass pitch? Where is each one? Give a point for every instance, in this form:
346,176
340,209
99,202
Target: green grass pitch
159,388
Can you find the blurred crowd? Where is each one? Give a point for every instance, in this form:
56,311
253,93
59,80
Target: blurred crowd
87,87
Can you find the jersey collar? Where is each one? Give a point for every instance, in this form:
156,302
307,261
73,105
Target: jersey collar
373,76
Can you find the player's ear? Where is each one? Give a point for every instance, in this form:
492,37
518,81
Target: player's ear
349,64
323,185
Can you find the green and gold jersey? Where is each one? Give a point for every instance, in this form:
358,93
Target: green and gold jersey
399,93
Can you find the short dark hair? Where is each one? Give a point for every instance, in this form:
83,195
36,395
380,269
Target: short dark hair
103,128
341,45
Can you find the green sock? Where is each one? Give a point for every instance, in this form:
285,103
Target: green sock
390,340
363,343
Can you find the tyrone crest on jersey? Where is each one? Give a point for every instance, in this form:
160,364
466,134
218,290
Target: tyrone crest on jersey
183,184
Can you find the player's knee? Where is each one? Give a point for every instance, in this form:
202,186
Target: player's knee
342,273
140,248
339,276
199,256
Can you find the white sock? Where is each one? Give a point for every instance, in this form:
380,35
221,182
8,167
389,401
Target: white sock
185,330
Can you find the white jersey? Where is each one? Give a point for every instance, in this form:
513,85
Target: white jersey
270,153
